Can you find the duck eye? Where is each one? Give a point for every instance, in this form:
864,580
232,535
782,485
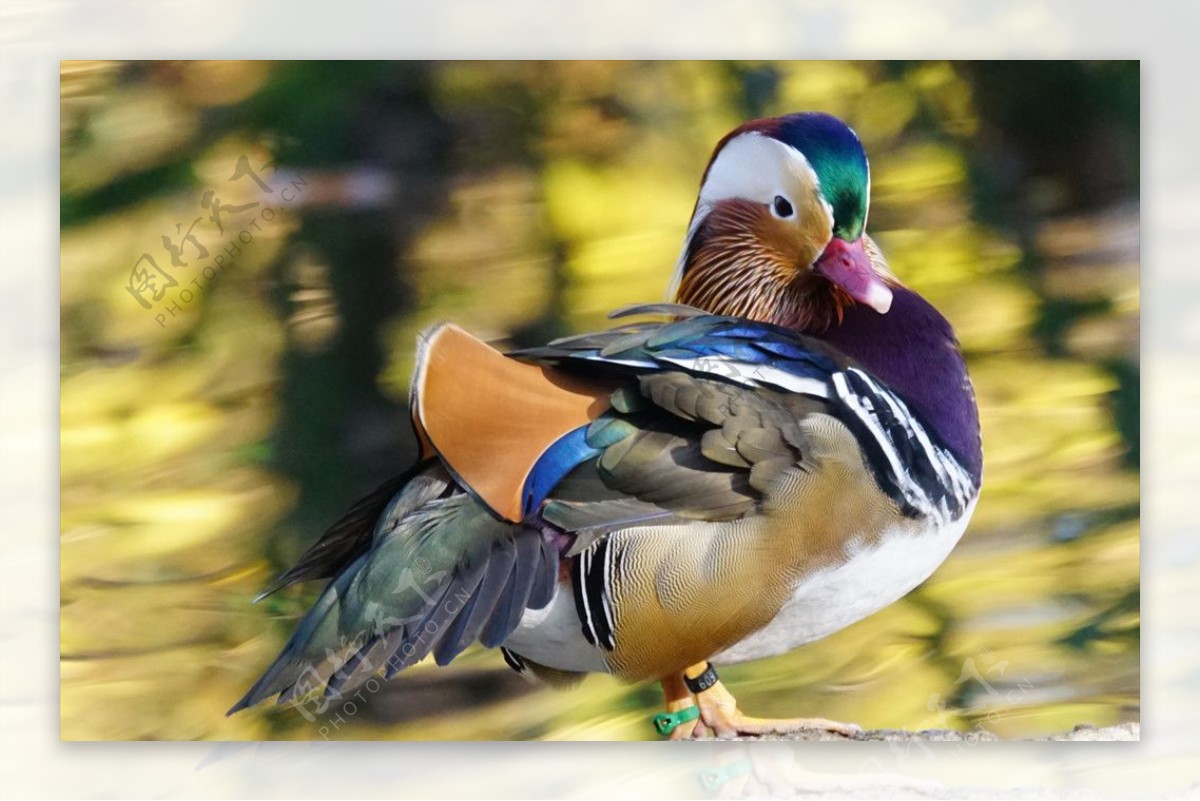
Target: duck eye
782,207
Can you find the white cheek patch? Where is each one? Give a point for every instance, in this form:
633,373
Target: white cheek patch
758,168
755,167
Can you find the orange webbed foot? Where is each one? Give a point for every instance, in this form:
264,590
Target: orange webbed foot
714,711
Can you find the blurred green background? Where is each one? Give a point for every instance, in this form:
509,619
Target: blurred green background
209,438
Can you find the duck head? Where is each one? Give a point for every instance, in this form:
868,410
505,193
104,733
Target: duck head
779,229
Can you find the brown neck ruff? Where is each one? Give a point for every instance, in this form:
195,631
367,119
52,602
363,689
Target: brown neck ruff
742,262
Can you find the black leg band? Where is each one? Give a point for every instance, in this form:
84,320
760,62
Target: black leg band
702,682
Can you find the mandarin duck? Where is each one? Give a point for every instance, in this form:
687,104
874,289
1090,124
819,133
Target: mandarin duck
794,448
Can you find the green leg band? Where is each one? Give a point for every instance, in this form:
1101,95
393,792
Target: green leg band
667,722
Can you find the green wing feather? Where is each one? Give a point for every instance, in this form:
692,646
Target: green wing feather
438,576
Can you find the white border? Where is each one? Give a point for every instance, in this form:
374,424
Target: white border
35,35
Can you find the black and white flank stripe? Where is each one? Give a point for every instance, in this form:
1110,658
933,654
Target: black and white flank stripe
513,660
592,582
922,477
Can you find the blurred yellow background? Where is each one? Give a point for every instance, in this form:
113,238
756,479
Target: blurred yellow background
209,437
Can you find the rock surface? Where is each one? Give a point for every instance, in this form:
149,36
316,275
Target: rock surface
1126,732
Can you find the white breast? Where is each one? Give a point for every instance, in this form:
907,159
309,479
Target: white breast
829,600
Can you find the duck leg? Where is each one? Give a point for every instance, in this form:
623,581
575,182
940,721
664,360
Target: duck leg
719,712
682,718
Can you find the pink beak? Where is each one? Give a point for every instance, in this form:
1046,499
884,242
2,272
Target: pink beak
848,266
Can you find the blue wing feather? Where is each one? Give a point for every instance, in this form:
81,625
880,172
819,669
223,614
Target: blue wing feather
568,452
723,347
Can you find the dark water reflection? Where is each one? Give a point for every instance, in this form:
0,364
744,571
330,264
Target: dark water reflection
202,451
